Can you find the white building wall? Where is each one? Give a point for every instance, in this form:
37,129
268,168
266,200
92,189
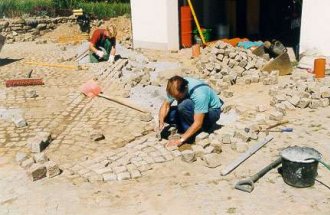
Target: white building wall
155,24
315,26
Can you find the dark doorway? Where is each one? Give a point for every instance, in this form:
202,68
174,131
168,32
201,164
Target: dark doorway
252,19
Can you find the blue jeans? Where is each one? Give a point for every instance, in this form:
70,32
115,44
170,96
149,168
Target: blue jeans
183,116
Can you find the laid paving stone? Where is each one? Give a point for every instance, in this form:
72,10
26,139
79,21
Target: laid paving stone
212,160
52,169
148,159
168,157
171,148
188,156
109,177
95,178
83,172
176,153
123,176
37,172
135,173
119,169
103,170
144,167
154,154
159,159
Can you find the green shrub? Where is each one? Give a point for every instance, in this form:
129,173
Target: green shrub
105,10
12,8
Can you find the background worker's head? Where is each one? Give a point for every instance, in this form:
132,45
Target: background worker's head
177,87
111,31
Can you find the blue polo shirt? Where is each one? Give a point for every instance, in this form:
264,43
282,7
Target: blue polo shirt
204,97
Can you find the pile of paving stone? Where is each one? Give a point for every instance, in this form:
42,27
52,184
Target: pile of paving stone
20,30
38,165
232,65
301,91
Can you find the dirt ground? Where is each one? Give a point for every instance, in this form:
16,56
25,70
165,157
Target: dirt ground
68,32
172,187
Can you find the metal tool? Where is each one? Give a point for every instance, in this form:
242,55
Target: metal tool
281,62
245,156
282,130
247,185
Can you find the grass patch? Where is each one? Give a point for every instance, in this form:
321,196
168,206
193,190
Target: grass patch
14,8
105,10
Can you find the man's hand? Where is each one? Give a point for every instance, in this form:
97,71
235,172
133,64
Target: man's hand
111,59
100,54
175,142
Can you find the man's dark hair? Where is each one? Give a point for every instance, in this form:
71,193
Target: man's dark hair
176,83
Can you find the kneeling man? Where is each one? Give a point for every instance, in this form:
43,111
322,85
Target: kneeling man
198,107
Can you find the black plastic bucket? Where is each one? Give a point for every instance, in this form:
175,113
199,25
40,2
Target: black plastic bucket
299,166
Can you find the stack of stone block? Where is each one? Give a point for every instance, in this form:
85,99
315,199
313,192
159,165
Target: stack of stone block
301,91
38,165
232,65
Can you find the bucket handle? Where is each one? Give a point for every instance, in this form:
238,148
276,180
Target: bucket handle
323,163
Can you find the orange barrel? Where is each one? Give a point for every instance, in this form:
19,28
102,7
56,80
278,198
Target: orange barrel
196,50
319,67
186,27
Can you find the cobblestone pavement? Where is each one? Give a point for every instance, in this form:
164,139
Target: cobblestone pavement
60,108
160,183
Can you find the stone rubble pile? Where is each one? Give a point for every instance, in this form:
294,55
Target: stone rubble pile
21,30
38,165
224,65
301,91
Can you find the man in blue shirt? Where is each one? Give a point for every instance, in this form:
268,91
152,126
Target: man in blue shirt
198,107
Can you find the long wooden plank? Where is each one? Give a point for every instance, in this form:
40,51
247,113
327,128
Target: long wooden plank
63,66
245,156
